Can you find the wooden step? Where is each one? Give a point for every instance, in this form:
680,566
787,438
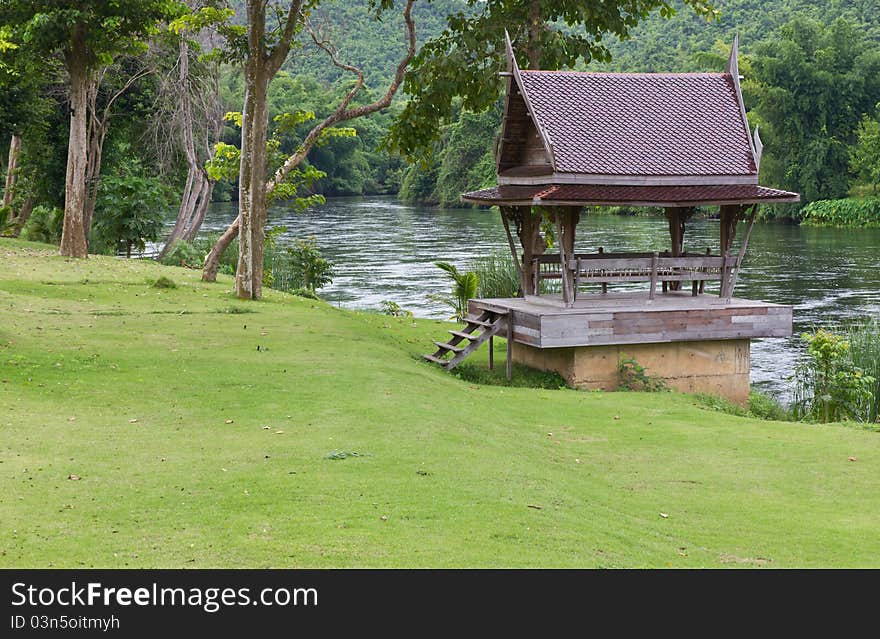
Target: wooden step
448,347
436,360
478,322
463,335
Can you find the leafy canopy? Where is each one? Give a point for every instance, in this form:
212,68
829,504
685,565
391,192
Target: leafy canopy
109,28
465,59
812,87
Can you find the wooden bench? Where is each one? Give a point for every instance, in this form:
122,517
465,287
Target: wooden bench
605,268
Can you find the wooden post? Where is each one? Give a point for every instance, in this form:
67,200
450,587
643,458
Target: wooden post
509,371
505,211
529,232
563,256
604,284
654,258
742,251
491,352
724,274
729,215
677,216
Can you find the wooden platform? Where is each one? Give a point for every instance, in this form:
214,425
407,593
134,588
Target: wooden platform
631,318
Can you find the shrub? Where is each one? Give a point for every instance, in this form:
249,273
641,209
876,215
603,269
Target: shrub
464,287
634,377
864,213
184,254
44,225
164,282
394,309
864,352
130,211
828,385
496,275
308,267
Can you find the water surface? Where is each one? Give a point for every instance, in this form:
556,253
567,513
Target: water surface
384,250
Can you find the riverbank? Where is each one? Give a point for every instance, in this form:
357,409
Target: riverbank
147,427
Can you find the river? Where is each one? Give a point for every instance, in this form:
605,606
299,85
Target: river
384,250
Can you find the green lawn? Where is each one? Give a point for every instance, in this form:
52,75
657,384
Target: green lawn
202,437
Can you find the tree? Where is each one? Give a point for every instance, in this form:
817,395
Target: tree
88,34
23,80
811,87
130,211
465,59
265,50
190,122
865,160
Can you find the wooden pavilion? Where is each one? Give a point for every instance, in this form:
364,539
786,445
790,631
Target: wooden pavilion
671,140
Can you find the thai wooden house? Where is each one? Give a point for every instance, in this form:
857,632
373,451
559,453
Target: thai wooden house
672,140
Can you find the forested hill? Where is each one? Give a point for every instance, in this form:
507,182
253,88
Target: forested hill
374,46
675,44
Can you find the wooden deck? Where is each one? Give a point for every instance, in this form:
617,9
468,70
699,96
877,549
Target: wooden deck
631,318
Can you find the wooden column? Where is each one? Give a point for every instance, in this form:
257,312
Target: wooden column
526,224
566,218
677,218
731,285
730,214
508,216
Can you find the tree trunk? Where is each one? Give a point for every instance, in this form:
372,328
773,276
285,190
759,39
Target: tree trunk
96,133
198,218
212,259
27,207
73,236
535,27
11,170
195,176
252,171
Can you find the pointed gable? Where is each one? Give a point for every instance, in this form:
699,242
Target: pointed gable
625,128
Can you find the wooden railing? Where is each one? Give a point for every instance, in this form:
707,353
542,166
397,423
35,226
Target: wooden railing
607,268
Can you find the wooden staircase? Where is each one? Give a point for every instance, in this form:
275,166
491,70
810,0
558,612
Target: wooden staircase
479,328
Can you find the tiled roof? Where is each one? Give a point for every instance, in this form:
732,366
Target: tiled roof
594,194
641,123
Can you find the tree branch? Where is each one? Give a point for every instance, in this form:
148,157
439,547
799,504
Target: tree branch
342,112
279,55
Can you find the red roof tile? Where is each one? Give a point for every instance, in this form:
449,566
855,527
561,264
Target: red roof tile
645,124
598,195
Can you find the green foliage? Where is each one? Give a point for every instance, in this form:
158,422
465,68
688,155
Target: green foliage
164,282
110,28
304,292
812,85
225,163
761,406
632,376
864,213
465,59
130,211
828,386
184,254
521,376
44,225
865,156
864,351
309,270
393,309
496,275
765,406
464,288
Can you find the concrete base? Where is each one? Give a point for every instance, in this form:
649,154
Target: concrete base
716,367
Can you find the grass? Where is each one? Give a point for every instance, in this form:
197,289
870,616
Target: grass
206,437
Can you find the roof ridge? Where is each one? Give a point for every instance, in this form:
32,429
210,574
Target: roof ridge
628,74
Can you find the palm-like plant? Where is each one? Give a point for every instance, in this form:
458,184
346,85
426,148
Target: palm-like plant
464,287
